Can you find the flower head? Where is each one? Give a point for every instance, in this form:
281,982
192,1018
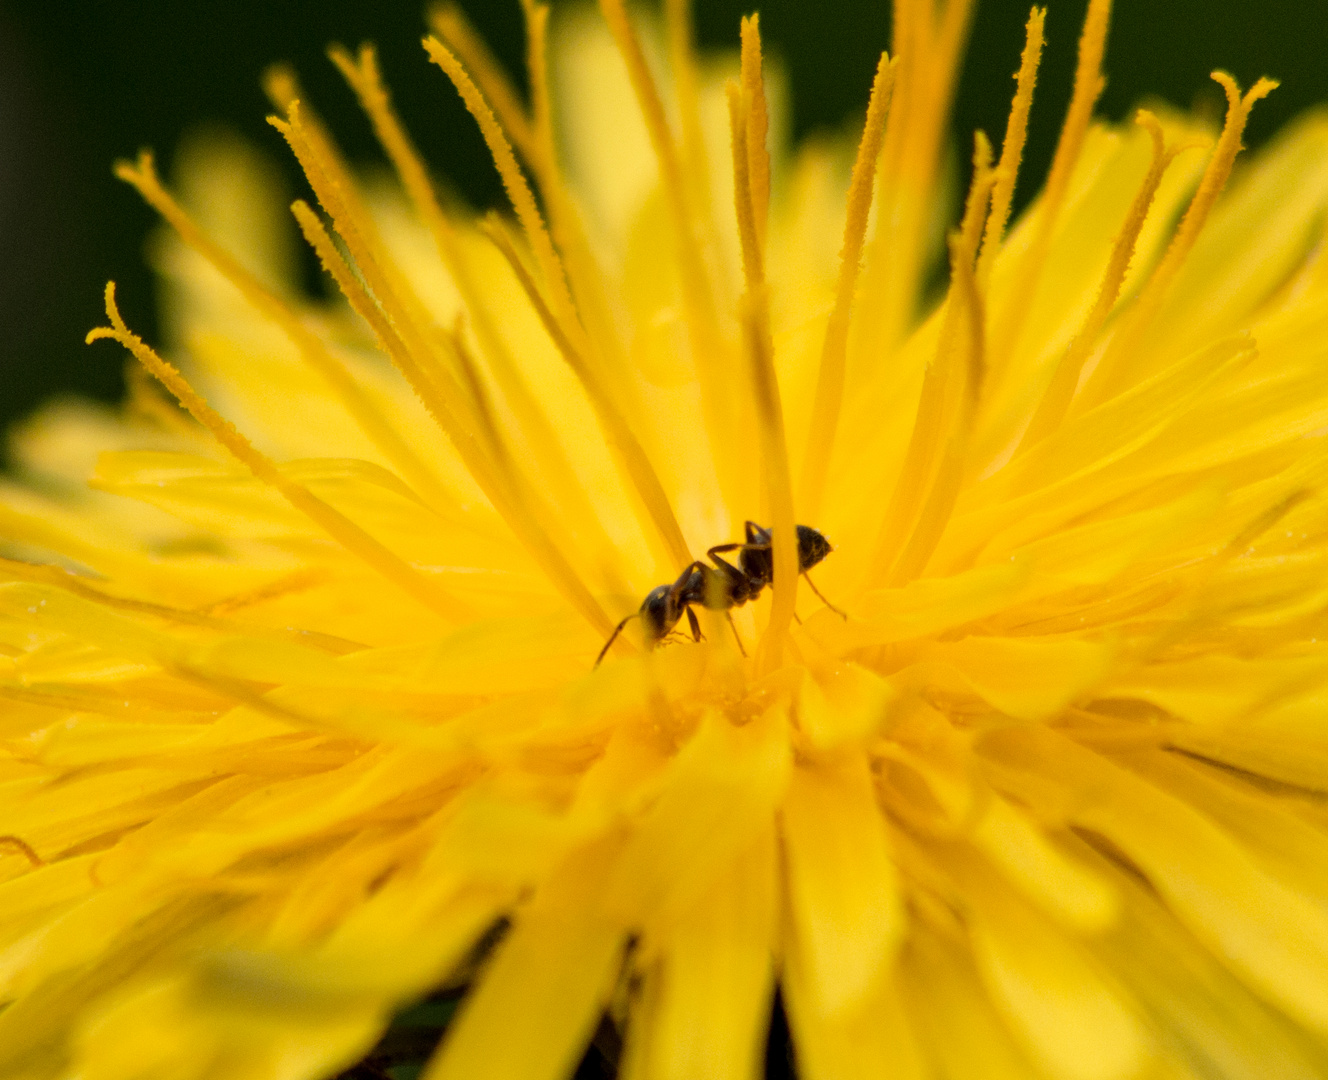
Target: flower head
302,715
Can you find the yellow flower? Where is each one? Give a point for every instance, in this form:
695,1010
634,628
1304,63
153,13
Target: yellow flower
301,721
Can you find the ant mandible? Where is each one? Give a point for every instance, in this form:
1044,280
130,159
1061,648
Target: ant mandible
723,586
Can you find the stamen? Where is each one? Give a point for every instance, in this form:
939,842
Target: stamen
533,138
602,342
211,617
744,116
670,167
714,369
514,181
537,65
440,396
944,492
1012,149
834,351
327,171
936,413
778,482
449,22
1056,400
337,193
753,259
628,452
758,125
929,60
1214,177
143,177
978,201
1109,374
682,61
364,79
1199,587
1088,84
477,395
504,490
145,396
332,521
287,585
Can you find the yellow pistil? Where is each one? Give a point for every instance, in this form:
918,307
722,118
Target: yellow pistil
748,124
514,182
504,488
452,27
758,125
1012,147
363,76
1088,84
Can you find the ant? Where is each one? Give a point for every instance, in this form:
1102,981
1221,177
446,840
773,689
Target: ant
723,586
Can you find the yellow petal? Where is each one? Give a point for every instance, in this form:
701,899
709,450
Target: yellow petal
844,893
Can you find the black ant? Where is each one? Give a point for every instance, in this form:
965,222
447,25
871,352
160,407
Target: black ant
723,586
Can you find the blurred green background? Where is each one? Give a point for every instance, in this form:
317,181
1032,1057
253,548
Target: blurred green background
84,83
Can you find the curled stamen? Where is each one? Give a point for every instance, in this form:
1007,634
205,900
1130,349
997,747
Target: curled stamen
1109,374
143,177
1056,400
363,75
332,521
503,488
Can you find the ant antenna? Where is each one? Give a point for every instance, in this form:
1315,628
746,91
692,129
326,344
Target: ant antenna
614,637
736,636
808,579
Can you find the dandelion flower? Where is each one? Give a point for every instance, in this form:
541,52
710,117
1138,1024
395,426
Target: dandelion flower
302,721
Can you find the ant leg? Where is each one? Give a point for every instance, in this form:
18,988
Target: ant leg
823,599
729,616
696,626
755,533
723,564
614,637
796,618
712,553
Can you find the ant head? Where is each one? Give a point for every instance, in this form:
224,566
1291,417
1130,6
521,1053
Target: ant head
812,547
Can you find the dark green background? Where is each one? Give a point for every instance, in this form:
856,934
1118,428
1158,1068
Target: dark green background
84,83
